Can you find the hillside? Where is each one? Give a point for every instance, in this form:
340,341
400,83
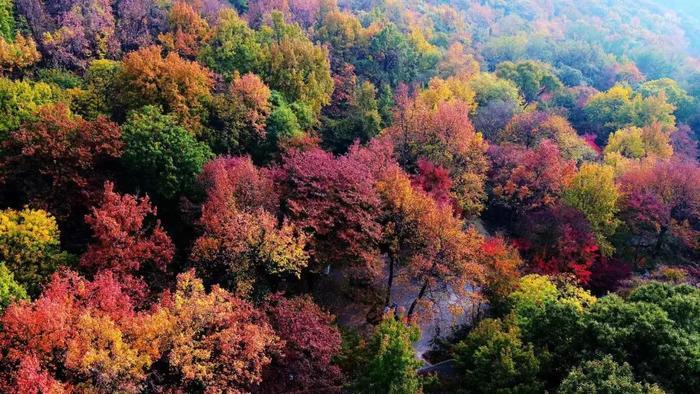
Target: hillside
349,196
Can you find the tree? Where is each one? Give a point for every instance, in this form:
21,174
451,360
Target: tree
447,90
311,343
233,47
638,143
680,301
10,290
684,144
489,88
120,368
17,55
445,136
610,111
243,112
590,59
659,208
31,378
391,58
72,32
405,210
532,78
535,292
7,20
167,158
100,87
493,358
390,361
425,243
334,201
593,192
19,100
493,117
187,31
58,161
551,314
342,32
643,329
683,103
619,107
242,240
68,329
220,341
457,61
531,128
171,82
604,375
505,48
282,125
139,22
558,239
434,180
29,246
360,121
123,238
526,129
528,179
502,263
295,66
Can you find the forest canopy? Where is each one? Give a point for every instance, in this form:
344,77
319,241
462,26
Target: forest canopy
344,196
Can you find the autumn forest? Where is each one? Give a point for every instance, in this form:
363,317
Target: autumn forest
349,196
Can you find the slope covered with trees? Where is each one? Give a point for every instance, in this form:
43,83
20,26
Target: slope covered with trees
287,196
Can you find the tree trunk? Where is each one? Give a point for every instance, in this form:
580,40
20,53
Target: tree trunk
390,282
415,301
659,242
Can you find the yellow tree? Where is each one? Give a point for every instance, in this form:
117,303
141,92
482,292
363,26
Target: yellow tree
593,192
177,85
425,243
29,245
220,341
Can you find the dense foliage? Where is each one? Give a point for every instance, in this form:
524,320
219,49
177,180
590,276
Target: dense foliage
281,196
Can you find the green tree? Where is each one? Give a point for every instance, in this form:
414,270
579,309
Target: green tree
610,111
552,318
640,331
19,100
391,59
681,302
604,376
494,359
504,48
58,76
675,95
536,291
161,154
532,78
362,121
7,20
637,143
239,115
282,124
96,97
294,66
233,47
620,107
10,290
391,363
488,88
